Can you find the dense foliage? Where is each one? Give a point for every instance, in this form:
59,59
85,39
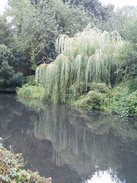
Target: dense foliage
11,169
50,18
47,37
118,100
84,58
9,77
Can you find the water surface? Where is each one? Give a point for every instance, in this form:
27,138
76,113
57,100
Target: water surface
70,145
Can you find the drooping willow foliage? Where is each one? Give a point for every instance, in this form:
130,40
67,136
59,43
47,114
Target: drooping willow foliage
84,58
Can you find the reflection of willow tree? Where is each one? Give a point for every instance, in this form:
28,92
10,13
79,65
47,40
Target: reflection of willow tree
86,141
17,130
84,147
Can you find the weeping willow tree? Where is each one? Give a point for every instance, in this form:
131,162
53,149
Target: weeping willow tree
87,57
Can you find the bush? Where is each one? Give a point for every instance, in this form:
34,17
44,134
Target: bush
100,87
131,102
92,100
97,98
11,169
119,100
31,91
123,102
132,83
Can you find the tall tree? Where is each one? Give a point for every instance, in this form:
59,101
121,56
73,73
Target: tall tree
6,31
9,76
50,18
102,15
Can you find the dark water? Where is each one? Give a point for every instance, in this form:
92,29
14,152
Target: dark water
69,145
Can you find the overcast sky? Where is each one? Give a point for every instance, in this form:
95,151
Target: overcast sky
3,3
120,3
117,3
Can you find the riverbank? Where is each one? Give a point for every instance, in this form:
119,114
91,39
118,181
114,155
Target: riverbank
7,90
119,100
12,169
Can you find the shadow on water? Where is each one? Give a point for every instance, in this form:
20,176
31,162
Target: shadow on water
70,145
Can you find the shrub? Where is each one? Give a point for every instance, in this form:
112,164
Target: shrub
123,102
92,100
11,169
119,100
100,87
131,101
31,91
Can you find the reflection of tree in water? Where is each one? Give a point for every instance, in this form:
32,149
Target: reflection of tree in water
88,143
38,153
10,111
7,110
69,144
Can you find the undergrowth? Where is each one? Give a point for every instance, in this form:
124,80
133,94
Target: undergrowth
11,169
118,100
31,91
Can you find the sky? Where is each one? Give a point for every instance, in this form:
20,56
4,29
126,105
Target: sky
117,3
3,3
120,3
